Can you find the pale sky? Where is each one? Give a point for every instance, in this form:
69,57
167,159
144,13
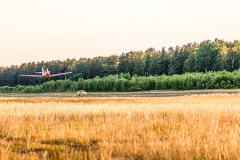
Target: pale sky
45,30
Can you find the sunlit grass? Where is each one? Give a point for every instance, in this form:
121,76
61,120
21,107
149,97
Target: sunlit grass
189,127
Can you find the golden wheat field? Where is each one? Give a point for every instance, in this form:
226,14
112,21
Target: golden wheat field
188,127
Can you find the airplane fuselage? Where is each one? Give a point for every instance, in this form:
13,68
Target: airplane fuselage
46,74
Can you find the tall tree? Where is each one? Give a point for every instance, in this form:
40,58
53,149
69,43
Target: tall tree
233,56
111,64
126,63
138,68
190,52
207,57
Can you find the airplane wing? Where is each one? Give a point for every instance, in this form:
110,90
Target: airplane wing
25,75
59,74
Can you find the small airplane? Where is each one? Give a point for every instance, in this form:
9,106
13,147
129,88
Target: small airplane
45,73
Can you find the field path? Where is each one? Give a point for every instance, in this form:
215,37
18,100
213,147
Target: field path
131,94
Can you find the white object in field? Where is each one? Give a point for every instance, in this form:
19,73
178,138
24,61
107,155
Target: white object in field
81,93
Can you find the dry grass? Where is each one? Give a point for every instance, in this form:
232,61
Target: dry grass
191,127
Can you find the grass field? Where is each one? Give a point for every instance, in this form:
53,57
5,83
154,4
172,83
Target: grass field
188,127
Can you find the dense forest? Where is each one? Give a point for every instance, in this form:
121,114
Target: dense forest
127,83
208,56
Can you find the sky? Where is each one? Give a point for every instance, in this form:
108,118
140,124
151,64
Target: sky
46,30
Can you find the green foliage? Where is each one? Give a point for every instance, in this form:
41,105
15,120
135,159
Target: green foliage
125,72
124,82
19,88
49,86
74,86
125,76
6,89
37,89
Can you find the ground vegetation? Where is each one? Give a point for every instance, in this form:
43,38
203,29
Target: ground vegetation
188,127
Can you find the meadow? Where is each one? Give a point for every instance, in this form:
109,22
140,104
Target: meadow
187,127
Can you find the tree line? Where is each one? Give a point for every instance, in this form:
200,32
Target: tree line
127,83
217,55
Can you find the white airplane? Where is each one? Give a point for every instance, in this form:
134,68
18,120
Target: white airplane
45,73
